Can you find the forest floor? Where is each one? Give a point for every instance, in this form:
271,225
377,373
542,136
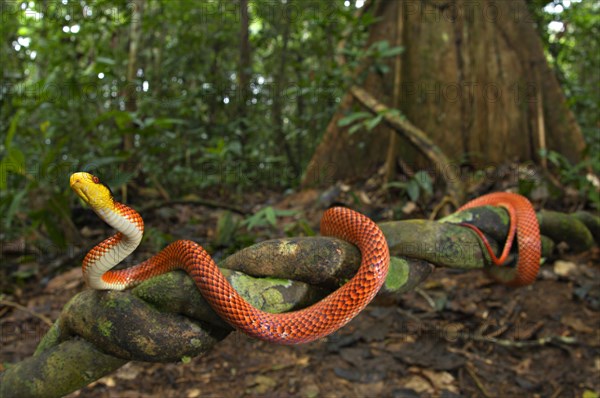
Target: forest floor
459,335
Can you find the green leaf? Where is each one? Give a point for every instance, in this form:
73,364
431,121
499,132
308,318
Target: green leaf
14,206
24,31
44,126
123,120
164,122
424,181
392,51
392,112
254,220
589,394
413,190
270,215
382,69
12,129
371,124
235,147
381,45
395,184
105,60
306,228
14,161
285,213
226,228
355,128
351,118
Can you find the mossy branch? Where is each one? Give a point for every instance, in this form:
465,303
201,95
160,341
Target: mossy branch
166,318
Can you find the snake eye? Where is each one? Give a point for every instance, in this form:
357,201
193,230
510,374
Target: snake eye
96,179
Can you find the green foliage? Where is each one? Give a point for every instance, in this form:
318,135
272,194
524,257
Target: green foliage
299,227
566,28
156,238
265,217
378,51
589,394
63,106
577,176
418,186
366,120
227,226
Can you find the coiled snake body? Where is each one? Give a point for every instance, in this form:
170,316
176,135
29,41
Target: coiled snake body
301,326
523,223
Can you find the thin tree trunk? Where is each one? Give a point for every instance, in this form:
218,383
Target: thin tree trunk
244,73
130,88
212,100
392,153
300,109
280,84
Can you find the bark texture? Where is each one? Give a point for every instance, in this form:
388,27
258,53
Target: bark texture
474,78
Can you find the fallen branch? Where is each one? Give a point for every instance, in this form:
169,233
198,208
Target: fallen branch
20,307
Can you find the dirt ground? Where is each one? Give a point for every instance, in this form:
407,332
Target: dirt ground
459,335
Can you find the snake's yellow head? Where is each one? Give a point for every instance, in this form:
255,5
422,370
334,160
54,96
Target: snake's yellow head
93,192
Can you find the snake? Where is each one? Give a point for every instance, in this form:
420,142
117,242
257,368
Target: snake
296,327
523,223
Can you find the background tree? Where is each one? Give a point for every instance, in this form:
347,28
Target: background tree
473,77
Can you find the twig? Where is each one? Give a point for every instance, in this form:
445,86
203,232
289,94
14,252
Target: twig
18,306
474,357
199,202
557,392
426,296
477,381
503,328
445,201
519,344
529,343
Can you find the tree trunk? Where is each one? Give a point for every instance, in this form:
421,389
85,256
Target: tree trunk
278,97
471,75
392,153
130,88
244,73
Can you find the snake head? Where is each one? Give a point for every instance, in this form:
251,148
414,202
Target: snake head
93,192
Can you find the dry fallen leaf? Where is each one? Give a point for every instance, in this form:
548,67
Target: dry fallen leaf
65,281
524,366
564,268
417,383
409,207
576,324
303,360
129,371
428,381
441,380
261,384
364,197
